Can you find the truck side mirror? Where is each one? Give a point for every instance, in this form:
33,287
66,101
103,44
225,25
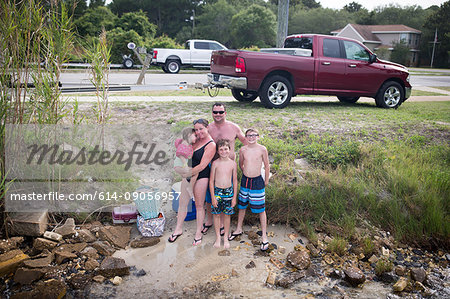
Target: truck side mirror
372,58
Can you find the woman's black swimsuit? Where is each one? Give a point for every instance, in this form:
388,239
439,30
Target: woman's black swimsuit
197,157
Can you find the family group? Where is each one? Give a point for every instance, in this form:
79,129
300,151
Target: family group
206,159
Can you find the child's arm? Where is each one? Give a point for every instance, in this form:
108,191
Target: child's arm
211,184
235,185
266,165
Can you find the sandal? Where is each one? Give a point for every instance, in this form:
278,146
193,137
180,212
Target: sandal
205,228
197,242
173,238
234,235
222,231
264,246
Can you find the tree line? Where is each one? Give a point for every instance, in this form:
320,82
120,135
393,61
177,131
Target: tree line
245,23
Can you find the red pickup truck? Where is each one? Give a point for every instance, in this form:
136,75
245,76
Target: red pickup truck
315,65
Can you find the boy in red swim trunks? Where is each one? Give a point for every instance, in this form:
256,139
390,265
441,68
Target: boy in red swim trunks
223,184
251,159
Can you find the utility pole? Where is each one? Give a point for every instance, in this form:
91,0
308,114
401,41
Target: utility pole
283,19
434,46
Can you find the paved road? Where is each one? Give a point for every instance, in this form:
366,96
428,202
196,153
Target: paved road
159,80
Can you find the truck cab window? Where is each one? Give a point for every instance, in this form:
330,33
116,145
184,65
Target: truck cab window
299,42
201,45
214,46
355,52
331,48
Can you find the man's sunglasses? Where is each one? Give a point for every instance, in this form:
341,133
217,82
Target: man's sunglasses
218,112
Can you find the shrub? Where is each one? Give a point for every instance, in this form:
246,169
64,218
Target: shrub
383,265
337,245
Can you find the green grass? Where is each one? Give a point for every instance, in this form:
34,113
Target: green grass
416,92
390,167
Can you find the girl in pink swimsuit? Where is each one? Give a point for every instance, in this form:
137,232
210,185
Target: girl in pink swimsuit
184,153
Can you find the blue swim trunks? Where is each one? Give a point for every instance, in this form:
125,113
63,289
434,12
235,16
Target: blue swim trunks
224,198
252,190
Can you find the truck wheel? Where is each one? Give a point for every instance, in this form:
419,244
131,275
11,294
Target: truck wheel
348,99
173,66
164,69
390,95
128,63
243,95
276,92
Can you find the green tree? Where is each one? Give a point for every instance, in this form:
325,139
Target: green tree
215,21
353,7
96,3
439,21
318,20
138,22
119,38
400,53
254,26
76,7
91,23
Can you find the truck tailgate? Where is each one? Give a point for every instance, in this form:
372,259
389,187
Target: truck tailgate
224,62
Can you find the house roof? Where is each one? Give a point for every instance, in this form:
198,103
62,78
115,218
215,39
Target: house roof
367,32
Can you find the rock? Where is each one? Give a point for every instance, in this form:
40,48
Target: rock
354,276
234,273
103,248
98,278
53,236
116,280
141,273
7,245
67,229
119,236
79,281
84,235
253,235
400,270
271,278
64,256
90,252
335,273
299,259
385,252
290,279
39,262
373,259
327,240
145,242
28,224
400,285
418,274
388,277
312,249
91,264
250,265
224,252
282,250
26,276
11,260
113,266
40,244
74,248
50,289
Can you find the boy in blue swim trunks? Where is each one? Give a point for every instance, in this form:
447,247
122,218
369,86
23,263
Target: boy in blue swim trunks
251,158
223,184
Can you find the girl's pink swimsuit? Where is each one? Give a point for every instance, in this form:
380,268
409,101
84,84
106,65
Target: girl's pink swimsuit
183,150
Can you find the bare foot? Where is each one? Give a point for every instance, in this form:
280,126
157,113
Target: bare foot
226,244
217,243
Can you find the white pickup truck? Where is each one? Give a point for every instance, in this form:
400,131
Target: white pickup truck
197,53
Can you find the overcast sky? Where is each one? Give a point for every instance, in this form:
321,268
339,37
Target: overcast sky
371,4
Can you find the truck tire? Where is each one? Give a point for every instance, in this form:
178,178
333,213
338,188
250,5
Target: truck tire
350,100
243,95
128,63
173,66
164,69
276,92
390,95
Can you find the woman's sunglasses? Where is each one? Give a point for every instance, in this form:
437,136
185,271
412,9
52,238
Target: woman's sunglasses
201,121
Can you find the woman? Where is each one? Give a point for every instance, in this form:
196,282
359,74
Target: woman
204,150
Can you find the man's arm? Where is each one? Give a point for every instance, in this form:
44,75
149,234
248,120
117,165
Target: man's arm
240,135
241,159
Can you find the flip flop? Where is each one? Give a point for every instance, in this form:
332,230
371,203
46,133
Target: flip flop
205,228
233,236
264,246
173,238
197,242
222,231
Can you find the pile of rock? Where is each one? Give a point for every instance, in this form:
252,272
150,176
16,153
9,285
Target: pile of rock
67,259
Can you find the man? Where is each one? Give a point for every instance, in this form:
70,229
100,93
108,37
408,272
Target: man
224,129
221,128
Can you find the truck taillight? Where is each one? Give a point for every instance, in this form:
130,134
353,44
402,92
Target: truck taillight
240,65
155,54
